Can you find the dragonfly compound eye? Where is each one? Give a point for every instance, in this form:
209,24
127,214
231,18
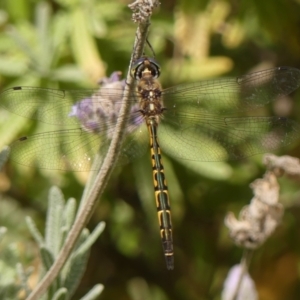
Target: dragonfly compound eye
144,65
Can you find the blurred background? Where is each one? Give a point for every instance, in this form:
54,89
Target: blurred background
74,43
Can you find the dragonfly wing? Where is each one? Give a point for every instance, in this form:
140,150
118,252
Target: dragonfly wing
94,116
72,149
233,138
232,95
135,145
62,107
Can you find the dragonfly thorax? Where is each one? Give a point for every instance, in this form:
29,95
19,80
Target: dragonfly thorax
149,91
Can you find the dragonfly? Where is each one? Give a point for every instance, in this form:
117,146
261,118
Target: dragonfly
208,120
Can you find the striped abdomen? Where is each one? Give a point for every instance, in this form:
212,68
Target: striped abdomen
161,196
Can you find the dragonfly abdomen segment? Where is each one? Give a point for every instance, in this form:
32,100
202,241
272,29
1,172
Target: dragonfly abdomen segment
165,224
161,197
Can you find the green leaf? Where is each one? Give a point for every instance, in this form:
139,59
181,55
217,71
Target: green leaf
34,231
12,66
67,73
84,46
61,294
93,236
53,233
47,257
69,214
76,266
48,260
94,292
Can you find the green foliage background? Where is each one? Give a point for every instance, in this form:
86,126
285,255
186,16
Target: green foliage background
73,43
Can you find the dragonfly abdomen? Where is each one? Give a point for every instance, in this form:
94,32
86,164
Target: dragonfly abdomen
161,197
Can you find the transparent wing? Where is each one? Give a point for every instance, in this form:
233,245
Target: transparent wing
226,95
53,106
231,95
91,113
228,138
206,121
200,121
58,150
74,149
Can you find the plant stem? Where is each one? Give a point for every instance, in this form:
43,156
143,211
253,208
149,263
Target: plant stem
245,261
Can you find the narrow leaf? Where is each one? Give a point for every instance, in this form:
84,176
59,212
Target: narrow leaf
53,234
61,294
91,239
94,292
34,231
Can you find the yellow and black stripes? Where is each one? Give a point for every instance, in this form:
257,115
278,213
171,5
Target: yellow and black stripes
146,70
161,196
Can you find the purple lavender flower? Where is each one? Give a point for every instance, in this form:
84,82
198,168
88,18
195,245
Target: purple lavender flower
100,111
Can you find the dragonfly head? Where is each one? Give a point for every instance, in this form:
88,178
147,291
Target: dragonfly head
145,65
